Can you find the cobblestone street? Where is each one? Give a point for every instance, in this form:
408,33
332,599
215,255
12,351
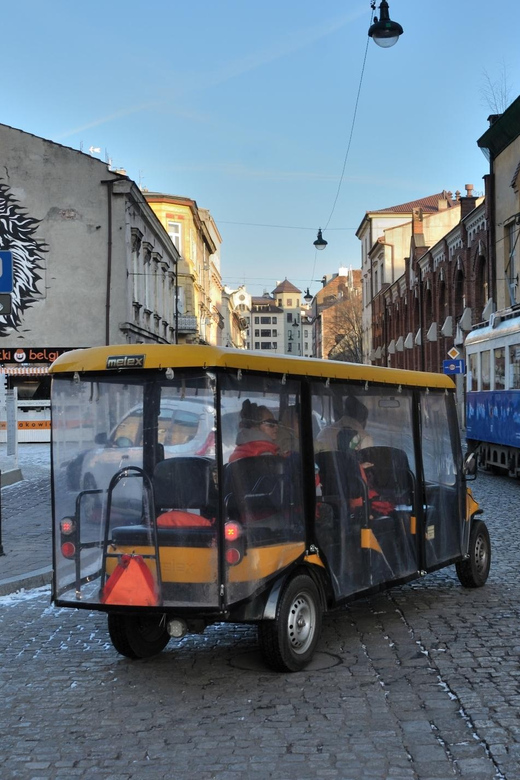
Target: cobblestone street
419,683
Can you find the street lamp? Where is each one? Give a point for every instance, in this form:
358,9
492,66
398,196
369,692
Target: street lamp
320,242
307,297
384,31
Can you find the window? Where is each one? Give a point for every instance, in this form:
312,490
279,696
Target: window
257,320
257,345
265,333
514,367
472,372
485,362
257,332
274,320
174,231
266,345
289,347
265,320
289,301
511,272
289,318
306,346
500,368
275,345
275,332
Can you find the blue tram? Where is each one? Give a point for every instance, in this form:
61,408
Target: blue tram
493,391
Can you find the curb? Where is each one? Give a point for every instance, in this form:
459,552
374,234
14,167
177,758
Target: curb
31,579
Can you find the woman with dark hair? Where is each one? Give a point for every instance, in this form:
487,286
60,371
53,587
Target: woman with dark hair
258,432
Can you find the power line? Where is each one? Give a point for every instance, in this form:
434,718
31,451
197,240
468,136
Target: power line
285,227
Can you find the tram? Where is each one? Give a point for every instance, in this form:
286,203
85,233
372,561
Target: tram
194,485
493,392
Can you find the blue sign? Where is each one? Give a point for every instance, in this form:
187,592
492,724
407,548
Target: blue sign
6,272
454,366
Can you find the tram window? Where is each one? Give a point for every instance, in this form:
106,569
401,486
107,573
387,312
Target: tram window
500,368
485,370
473,372
514,366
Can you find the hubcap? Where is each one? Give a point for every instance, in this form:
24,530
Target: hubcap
301,623
481,554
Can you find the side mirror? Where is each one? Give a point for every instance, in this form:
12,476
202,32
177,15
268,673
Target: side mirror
469,467
100,438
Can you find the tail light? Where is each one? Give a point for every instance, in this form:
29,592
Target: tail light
68,534
234,541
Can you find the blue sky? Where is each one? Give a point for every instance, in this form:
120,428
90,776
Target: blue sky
248,108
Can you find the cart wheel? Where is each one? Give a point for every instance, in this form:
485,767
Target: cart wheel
138,636
287,643
473,572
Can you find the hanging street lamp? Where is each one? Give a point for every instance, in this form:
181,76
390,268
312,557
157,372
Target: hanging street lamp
320,242
384,31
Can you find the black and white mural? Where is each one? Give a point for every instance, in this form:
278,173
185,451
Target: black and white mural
18,235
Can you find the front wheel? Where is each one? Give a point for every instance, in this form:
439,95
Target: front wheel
473,571
138,636
287,643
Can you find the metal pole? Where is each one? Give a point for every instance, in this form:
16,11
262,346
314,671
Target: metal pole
1,545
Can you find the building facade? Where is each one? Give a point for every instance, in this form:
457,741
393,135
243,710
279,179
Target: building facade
91,262
385,241
279,322
197,239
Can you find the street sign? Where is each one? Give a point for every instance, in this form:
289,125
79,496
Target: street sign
454,353
6,271
454,366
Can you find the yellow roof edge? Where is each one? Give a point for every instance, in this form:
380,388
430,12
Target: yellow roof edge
205,357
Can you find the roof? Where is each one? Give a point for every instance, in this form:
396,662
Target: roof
132,358
429,204
286,287
504,130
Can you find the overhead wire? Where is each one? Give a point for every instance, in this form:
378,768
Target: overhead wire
351,134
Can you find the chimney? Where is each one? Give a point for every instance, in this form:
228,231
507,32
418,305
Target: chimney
442,204
468,202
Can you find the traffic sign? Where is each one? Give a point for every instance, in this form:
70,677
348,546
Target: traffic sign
454,366
6,271
454,353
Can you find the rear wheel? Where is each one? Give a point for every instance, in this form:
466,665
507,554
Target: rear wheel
473,571
138,636
287,643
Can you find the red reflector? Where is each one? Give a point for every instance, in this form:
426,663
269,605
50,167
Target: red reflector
68,550
67,526
233,556
231,531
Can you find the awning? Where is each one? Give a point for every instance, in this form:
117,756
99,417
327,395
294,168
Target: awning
24,370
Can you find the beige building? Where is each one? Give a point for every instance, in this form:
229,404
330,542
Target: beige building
196,236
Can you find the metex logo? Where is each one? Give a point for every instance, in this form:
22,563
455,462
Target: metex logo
125,361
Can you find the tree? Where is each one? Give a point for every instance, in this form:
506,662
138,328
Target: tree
496,93
342,325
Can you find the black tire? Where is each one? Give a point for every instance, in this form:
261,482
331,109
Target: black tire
473,571
138,636
287,643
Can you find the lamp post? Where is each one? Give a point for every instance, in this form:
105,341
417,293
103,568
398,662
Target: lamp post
384,31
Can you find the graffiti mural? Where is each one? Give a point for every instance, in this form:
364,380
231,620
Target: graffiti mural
17,234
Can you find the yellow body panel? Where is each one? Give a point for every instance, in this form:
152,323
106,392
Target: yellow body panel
471,505
369,541
200,564
206,357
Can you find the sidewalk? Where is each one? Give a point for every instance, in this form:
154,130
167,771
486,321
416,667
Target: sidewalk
26,534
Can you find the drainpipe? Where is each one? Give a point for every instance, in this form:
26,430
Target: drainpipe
110,191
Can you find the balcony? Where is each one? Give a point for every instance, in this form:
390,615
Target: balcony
187,324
